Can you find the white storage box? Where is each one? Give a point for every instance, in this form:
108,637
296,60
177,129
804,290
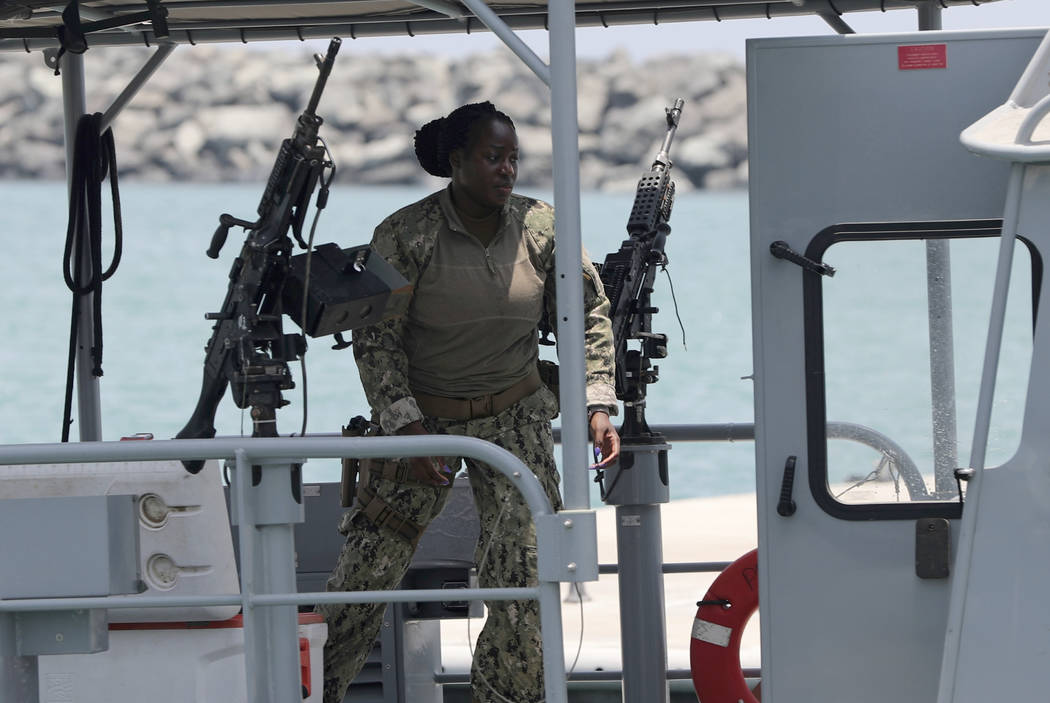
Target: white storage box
185,548
198,662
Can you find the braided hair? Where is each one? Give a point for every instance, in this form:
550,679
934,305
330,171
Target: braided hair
438,138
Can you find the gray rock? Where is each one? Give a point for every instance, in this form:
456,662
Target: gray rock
188,139
723,178
726,102
379,152
591,104
219,113
700,152
32,157
534,142
629,133
524,107
239,123
389,173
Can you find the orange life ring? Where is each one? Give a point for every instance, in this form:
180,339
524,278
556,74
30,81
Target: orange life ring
714,651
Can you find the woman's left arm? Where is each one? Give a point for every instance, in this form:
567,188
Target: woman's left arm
599,350
598,341
600,366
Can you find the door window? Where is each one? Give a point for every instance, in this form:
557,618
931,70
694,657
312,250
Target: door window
894,363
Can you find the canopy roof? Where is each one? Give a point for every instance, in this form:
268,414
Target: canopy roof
35,24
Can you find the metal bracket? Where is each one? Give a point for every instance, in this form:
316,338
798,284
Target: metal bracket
51,58
156,14
781,250
568,546
72,33
62,632
932,548
103,558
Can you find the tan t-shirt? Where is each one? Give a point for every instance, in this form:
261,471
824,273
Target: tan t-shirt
471,327
483,361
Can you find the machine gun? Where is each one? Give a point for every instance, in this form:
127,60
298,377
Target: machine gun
248,349
627,276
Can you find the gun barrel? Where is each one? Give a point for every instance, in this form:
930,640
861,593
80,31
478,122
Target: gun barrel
326,68
663,159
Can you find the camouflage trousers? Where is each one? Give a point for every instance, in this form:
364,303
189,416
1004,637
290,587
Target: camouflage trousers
508,663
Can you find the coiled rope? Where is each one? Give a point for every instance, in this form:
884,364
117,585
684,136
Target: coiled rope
94,157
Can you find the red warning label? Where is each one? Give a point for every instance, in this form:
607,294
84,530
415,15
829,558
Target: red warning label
922,56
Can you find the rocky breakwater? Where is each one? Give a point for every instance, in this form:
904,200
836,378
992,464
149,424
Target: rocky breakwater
219,113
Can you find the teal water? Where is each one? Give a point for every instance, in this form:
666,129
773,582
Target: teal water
155,331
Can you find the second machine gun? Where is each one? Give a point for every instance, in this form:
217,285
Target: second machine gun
627,276
248,349
347,288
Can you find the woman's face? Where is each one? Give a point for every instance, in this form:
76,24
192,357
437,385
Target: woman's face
484,173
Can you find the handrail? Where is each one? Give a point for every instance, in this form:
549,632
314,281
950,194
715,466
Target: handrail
447,677
292,450
745,431
30,605
1031,121
1006,132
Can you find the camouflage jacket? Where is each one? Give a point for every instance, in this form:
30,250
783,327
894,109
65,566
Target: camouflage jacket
406,239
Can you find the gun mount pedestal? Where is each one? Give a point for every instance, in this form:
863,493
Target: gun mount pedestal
637,486
268,500
640,476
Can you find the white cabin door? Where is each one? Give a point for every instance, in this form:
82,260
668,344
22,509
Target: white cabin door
866,380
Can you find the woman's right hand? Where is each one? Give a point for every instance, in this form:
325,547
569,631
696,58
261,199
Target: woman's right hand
432,470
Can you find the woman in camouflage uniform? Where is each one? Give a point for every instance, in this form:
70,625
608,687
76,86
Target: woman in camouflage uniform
461,358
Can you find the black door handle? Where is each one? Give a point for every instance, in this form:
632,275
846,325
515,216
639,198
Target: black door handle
786,506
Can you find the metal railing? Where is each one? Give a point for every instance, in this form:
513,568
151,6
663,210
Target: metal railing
273,454
745,431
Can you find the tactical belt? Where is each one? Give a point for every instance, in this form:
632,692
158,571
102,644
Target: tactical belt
482,406
377,510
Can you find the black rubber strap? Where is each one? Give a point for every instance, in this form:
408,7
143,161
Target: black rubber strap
94,157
